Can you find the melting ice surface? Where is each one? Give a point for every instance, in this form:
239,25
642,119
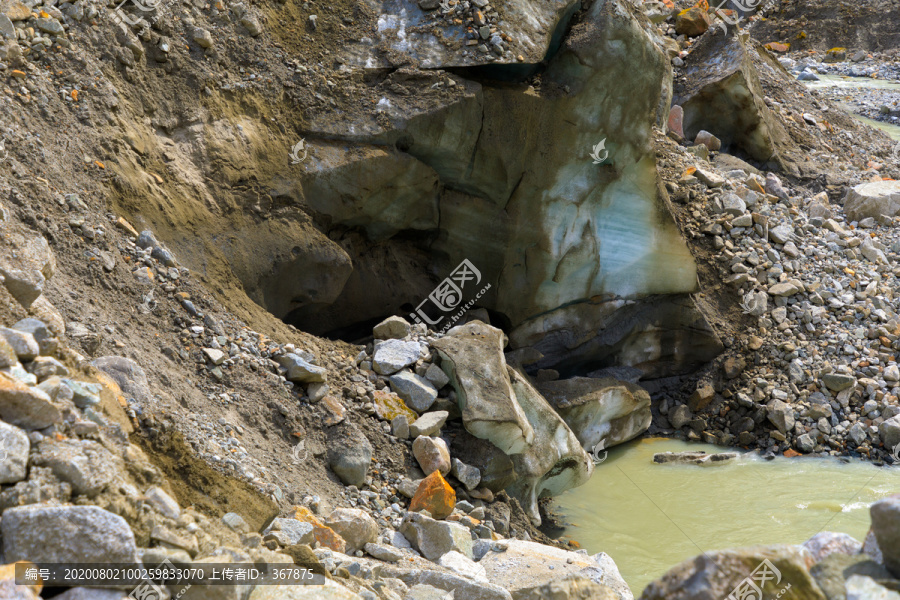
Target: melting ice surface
650,517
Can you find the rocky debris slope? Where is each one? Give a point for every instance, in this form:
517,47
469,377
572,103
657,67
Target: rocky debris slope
76,490
827,566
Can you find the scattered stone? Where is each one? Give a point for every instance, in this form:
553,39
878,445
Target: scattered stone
393,355
355,526
349,454
432,454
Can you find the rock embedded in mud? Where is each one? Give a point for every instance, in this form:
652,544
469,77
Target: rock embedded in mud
435,495
165,504
393,355
301,371
66,534
349,454
432,454
127,374
355,526
46,340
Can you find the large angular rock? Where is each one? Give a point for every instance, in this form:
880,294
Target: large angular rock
435,495
300,370
349,454
85,464
555,461
66,534
26,262
393,355
26,407
24,344
599,411
527,565
418,393
472,357
128,375
14,445
432,454
717,574
435,538
46,340
722,94
886,526
392,328
873,200
290,531
354,525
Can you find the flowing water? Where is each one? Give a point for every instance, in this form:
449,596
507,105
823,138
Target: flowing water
650,517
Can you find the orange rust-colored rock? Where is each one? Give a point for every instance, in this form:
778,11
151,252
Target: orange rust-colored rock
325,535
389,405
791,453
435,495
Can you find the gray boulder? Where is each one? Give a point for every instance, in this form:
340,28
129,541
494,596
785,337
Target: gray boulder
66,534
299,370
14,446
418,393
393,355
435,538
26,407
392,328
85,464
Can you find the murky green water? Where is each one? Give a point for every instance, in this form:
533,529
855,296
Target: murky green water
840,81
650,517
